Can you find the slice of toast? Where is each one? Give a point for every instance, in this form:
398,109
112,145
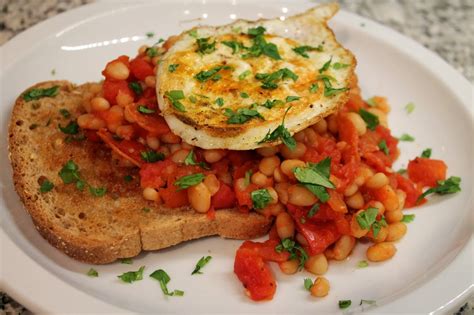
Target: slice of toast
92,229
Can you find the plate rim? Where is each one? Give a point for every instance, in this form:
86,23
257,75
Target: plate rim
62,21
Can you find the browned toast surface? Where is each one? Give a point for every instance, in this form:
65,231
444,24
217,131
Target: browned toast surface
98,229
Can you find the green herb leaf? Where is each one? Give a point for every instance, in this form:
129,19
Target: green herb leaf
235,45
152,156
383,146
189,180
426,153
314,209
126,261
260,30
338,65
200,264
269,80
302,50
371,120
175,96
145,110
407,218
402,171
444,187
46,186
132,276
326,65
36,94
244,95
248,174
295,250
193,33
72,128
136,87
65,113
328,89
219,101
409,108
272,103
163,279
292,98
369,302
92,273
308,283
150,34
260,198
152,52
205,46
314,88
244,74
242,115
173,67
308,175
371,102
343,304
211,74
260,45
362,264
191,160
145,209
367,217
69,173
377,226
406,137
97,191
281,133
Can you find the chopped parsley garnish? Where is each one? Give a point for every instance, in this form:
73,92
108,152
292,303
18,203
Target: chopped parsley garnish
407,218
371,102
132,276
200,264
444,187
402,171
370,119
173,67
426,153
219,101
328,89
235,45
343,304
145,110
362,264
69,173
244,74
152,156
36,94
314,88
302,50
205,46
242,115
406,137
92,273
72,128
338,65
248,174
175,96
295,250
65,113
146,209
191,160
369,302
269,80
260,198
272,103
368,219
150,34
46,186
410,107
152,52
383,147
308,283
163,279
314,209
136,88
192,99
244,95
282,134
211,74
126,261
291,98
189,181
315,178
193,33
260,45
326,65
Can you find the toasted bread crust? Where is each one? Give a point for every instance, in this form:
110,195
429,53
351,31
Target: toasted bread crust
92,229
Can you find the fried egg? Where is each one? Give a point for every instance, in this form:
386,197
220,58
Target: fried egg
227,87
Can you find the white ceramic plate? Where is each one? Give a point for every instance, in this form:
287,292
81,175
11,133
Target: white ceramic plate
432,270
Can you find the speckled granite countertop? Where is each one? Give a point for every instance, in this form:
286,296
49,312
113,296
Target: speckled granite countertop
443,26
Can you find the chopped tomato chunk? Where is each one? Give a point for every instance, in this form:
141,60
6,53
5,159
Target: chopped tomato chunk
266,250
410,189
129,150
112,88
224,197
426,172
155,125
140,68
